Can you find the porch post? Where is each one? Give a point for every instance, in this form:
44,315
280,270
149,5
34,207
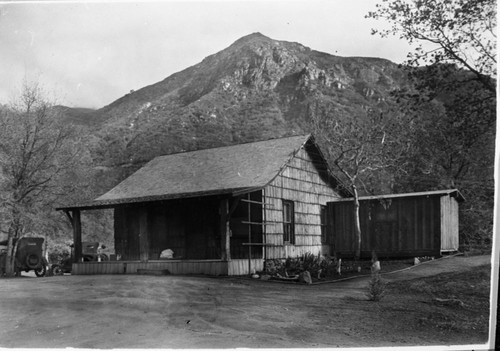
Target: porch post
143,234
225,230
77,235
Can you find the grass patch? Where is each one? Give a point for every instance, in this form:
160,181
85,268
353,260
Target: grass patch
457,301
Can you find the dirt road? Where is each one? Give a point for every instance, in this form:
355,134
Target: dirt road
129,311
446,264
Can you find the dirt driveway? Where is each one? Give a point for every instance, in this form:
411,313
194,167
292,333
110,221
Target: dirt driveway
129,311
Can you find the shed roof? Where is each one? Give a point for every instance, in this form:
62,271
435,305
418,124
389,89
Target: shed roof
224,170
451,192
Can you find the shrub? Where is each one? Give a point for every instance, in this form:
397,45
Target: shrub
376,287
322,266
274,266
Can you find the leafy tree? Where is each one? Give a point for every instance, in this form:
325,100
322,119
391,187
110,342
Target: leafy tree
36,150
461,32
453,98
454,144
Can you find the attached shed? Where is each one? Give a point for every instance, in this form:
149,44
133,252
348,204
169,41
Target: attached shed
399,225
221,211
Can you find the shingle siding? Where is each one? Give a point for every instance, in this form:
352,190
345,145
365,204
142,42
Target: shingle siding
301,183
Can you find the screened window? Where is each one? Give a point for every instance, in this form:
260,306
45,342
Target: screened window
288,222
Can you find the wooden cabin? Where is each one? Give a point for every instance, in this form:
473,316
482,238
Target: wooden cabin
399,225
222,211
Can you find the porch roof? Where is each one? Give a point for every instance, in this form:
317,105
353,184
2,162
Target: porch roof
224,170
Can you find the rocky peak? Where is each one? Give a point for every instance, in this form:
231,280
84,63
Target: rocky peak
262,77
249,39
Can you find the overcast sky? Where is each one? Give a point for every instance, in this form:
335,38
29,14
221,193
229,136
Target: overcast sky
90,54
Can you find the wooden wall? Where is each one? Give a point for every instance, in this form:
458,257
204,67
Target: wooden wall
449,224
303,181
209,267
242,267
189,227
397,227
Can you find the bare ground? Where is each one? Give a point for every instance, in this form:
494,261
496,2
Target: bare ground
136,311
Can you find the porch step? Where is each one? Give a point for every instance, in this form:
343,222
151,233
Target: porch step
153,271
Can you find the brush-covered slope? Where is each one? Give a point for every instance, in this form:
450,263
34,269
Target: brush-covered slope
258,88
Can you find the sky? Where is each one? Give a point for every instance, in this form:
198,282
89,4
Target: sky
88,54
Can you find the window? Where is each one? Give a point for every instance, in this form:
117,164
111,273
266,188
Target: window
324,224
288,222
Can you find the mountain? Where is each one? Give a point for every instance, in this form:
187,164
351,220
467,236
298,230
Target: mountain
257,88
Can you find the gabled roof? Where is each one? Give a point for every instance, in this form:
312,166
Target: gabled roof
451,192
225,170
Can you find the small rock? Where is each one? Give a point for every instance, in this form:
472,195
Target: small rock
305,277
265,277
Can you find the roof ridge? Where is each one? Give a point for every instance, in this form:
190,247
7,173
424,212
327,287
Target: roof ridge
305,136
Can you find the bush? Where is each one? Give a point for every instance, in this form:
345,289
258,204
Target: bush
376,287
317,266
274,266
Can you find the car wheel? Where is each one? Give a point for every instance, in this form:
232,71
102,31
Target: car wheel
32,261
40,271
57,270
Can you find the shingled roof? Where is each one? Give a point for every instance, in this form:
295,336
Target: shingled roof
224,170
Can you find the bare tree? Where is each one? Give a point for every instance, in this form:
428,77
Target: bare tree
36,148
364,150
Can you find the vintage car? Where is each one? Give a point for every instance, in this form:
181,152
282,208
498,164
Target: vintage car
28,256
90,252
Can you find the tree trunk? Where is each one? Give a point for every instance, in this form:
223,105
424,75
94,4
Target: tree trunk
9,260
357,225
13,234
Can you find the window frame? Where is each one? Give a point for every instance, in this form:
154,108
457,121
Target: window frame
323,215
288,222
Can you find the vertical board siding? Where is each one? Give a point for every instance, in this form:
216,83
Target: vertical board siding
240,267
396,227
208,267
305,185
233,267
449,224
98,268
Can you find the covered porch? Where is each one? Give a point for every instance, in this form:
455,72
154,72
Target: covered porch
214,235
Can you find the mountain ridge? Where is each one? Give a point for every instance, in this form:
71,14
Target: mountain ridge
255,61
257,88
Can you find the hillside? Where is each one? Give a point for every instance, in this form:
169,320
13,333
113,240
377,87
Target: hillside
258,88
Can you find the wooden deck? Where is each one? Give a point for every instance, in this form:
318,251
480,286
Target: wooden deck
208,267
